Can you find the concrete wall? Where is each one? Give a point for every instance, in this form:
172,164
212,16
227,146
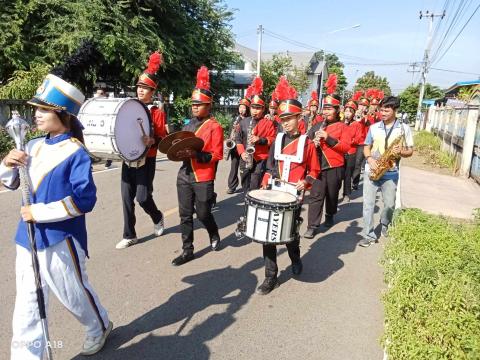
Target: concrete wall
457,128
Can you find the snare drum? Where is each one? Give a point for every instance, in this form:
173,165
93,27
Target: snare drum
113,128
271,216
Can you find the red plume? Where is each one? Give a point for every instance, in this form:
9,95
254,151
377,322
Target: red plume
284,91
314,95
358,94
331,84
248,93
203,78
370,93
257,86
275,95
154,62
380,95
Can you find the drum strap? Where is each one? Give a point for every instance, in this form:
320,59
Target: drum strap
288,159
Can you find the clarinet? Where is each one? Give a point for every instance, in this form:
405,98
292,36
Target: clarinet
250,150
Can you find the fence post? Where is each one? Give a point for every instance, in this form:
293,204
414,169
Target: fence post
469,139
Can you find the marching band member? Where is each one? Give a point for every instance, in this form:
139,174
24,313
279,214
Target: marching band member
332,139
272,112
137,177
195,179
387,136
314,118
362,117
243,112
290,142
256,134
355,136
60,171
373,110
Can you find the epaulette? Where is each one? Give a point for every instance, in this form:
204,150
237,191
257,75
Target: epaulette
95,159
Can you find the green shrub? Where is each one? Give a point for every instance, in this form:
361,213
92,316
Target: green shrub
7,143
429,146
432,304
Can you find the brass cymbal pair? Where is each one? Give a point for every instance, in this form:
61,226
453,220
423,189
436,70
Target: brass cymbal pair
175,143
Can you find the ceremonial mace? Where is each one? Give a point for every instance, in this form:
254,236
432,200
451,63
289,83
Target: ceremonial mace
17,129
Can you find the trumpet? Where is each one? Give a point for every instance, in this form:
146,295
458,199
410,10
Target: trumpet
229,143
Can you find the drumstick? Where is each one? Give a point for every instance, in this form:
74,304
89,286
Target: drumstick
285,182
140,122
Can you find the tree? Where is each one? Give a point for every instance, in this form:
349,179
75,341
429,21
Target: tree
334,66
370,80
409,98
190,33
279,65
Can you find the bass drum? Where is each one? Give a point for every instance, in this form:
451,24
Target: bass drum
113,128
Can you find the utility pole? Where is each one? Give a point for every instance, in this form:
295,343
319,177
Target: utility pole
413,70
430,16
259,49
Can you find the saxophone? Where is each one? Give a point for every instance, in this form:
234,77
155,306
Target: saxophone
310,122
387,160
250,150
229,143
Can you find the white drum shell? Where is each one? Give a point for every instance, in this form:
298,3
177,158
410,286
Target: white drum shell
270,224
111,129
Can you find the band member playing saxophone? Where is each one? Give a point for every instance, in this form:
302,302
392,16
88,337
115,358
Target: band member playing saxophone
387,142
243,112
332,139
254,139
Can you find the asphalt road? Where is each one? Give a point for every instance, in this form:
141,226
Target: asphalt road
208,309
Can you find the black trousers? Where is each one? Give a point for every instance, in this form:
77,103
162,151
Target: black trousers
200,195
252,178
347,179
325,189
359,164
270,256
138,183
235,163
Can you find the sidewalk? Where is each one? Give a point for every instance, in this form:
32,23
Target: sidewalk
438,194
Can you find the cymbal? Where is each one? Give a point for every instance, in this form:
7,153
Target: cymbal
168,141
192,143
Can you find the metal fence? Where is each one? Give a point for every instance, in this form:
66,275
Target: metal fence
459,129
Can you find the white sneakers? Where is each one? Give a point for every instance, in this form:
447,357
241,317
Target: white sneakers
125,243
92,345
158,228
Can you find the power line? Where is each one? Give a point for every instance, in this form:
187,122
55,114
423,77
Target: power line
456,37
316,48
455,71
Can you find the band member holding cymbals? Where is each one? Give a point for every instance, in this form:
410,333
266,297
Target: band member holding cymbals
301,174
195,179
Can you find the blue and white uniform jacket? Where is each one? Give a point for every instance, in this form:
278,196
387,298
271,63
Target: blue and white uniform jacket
62,190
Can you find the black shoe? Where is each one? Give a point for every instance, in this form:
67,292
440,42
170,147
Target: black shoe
215,242
297,267
268,285
354,187
310,233
183,259
328,221
230,191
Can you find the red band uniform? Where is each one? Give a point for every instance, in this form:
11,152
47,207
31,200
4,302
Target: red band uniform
331,152
195,179
137,182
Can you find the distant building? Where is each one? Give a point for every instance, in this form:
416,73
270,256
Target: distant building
243,72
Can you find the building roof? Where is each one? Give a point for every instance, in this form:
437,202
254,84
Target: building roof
455,87
299,59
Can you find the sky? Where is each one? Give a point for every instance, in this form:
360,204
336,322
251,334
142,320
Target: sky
390,33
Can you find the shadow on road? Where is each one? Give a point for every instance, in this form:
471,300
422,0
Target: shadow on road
229,286
323,258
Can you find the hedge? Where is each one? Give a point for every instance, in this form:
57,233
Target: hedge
432,301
